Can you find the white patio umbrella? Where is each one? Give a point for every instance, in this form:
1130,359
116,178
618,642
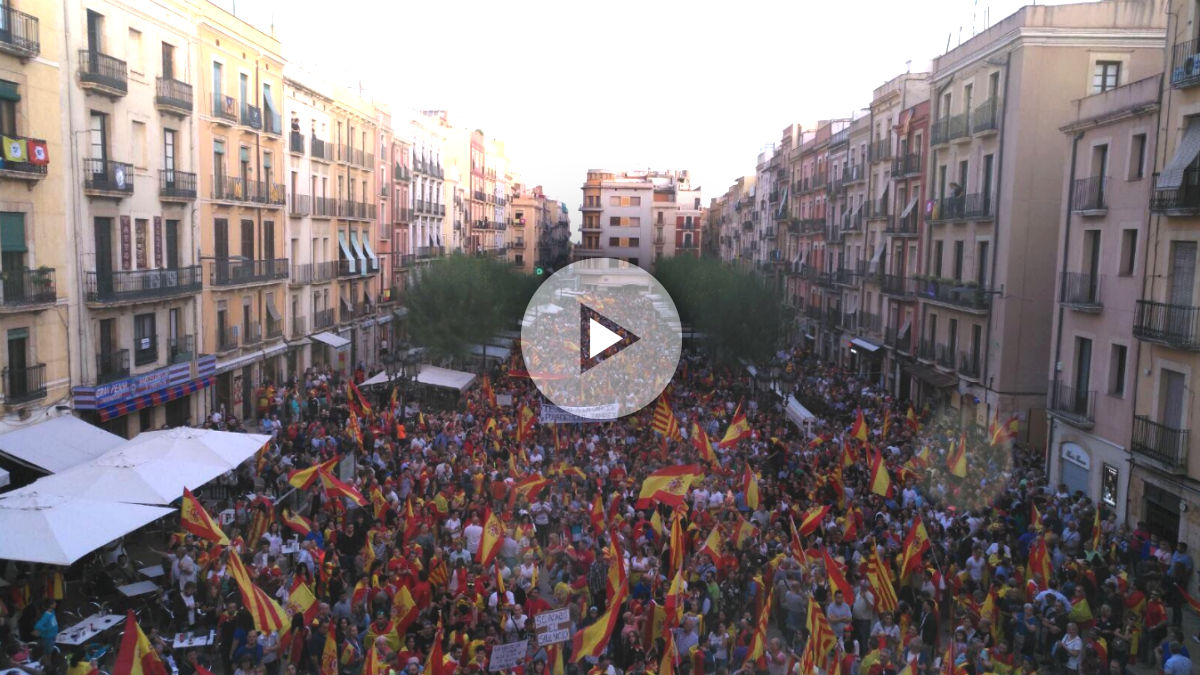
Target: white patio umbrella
137,475
203,446
59,530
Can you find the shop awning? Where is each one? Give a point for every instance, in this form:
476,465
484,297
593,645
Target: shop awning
349,257
370,253
797,413
156,399
878,253
865,344
933,376
908,209
444,377
1171,177
57,444
332,340
271,310
357,247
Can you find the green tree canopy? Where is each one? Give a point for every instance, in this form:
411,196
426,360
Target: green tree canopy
464,300
740,314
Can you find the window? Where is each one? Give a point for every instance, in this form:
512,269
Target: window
614,241
614,201
981,264
938,247
958,260
218,83
1128,252
1116,370
635,201
169,152
1106,75
9,96
635,242
134,48
139,144
145,342
614,221
168,61
218,163
1137,157
635,222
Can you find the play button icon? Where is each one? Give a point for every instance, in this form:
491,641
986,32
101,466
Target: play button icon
601,339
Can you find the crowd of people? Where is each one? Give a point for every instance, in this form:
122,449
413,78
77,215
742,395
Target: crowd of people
398,583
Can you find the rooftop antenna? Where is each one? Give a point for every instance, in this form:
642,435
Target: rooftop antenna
908,66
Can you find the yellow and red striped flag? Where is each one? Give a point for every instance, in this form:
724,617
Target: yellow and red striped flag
837,580
298,523
194,519
337,488
492,538
738,429
879,576
267,613
665,423
530,486
750,488
592,640
136,656
702,443
881,481
858,430
819,632
758,642
668,486
302,478
915,545
811,519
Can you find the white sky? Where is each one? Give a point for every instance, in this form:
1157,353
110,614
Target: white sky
623,84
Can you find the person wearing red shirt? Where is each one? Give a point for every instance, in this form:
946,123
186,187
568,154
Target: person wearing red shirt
1156,624
535,603
422,592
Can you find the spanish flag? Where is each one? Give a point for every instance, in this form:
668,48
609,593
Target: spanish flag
356,395
525,421
667,665
881,482
743,532
298,523
373,664
329,655
811,519
750,488
493,537
915,546
404,611
596,515
302,478
267,613
833,572
887,422
593,639
1039,564
668,486
858,430
712,545
489,394
194,519
618,580
910,418
676,544
1096,529
1003,433
489,428
136,656
758,642
701,442
530,486
301,600
956,459
738,429
673,604
336,488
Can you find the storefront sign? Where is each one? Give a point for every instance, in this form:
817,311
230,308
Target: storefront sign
1076,455
114,392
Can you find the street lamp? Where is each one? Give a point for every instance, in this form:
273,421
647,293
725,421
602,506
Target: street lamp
402,369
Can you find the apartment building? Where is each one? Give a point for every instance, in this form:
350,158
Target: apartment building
497,179
427,234
538,231
640,216
995,169
131,195
1165,466
242,214
851,190
1090,399
37,275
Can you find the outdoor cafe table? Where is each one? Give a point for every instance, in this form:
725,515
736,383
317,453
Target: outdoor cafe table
152,572
138,588
87,629
190,640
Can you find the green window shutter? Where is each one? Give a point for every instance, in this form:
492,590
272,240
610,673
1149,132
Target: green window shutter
12,232
244,153
219,147
18,334
8,91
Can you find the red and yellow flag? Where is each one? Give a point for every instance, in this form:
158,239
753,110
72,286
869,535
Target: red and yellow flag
712,545
738,429
673,604
298,523
758,642
703,444
820,633
666,666
956,459
267,613
750,488
329,655
592,640
530,486
1096,530
837,580
811,519
677,545
356,395
618,580
910,418
668,486
881,481
1039,563
302,478
493,537
525,421
743,532
858,430
879,576
1000,434
915,545
488,393
302,600
136,656
374,664
194,519
665,423
336,488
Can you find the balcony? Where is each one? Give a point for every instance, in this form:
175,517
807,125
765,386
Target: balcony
299,326
1088,196
272,123
141,285
296,143
227,338
853,174
176,186
978,206
870,322
173,96
238,271
324,207
987,117
321,150
1176,326
27,170
299,205
943,356
102,74
145,350
907,165
314,273
351,210
23,385
898,285
877,209
181,349
106,178
1081,291
401,215
1165,444
1072,404
949,128
224,109
1185,64
251,116
903,226
24,289
844,276
252,334
853,223
968,365
963,295
20,35
323,318
112,366
925,350
274,329
240,190
881,150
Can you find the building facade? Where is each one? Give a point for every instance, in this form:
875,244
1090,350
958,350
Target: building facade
641,216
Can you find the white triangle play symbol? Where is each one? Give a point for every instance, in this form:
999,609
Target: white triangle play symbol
600,338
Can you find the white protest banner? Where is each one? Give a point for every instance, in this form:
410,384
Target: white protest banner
553,627
508,655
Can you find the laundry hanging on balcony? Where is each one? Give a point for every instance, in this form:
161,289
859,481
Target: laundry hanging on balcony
1171,177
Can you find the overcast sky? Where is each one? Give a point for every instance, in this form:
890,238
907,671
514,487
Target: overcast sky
622,84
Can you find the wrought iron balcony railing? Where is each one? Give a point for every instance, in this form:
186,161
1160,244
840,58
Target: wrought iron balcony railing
24,287
22,385
1175,326
133,285
1165,444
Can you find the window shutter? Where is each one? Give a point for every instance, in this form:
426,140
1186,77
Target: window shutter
12,232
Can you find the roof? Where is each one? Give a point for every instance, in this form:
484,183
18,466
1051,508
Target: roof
57,444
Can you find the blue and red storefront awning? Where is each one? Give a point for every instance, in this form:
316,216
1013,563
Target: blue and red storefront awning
155,399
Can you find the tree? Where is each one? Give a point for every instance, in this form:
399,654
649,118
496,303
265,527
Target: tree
462,300
740,314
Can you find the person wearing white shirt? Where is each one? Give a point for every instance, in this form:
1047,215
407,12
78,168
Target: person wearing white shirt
473,533
494,599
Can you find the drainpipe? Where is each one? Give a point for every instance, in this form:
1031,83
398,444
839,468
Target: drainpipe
77,207
1058,333
987,346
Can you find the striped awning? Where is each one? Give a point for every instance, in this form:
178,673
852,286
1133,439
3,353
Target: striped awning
157,398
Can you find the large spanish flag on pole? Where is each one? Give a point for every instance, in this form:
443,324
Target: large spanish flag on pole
701,442
593,639
136,656
859,429
302,478
956,459
811,519
738,429
492,538
881,481
267,613
915,545
196,520
668,486
750,488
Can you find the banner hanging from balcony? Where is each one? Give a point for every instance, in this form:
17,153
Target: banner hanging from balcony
111,395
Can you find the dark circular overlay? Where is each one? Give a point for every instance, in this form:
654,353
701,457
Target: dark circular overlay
561,322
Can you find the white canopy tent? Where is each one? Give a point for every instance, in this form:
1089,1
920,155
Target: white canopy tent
59,530
444,377
492,351
57,444
203,446
136,475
